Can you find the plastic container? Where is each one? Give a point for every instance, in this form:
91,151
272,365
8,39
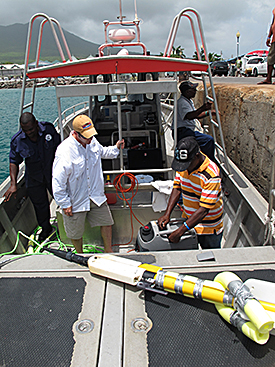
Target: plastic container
143,197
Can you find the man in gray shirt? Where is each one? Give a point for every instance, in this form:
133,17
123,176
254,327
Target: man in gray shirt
187,115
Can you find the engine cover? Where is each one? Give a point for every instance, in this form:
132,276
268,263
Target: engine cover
151,238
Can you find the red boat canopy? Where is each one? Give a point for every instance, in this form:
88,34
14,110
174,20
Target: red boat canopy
118,65
258,53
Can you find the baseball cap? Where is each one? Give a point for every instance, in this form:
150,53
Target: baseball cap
185,151
187,85
84,125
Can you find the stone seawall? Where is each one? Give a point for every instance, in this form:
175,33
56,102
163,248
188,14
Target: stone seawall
17,83
248,124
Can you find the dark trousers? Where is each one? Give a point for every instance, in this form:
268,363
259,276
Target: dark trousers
39,198
209,241
206,142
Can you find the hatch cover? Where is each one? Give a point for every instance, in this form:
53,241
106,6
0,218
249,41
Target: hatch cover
37,317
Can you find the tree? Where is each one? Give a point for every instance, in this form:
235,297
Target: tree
178,52
211,56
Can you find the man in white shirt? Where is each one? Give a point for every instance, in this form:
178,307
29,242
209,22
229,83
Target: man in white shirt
78,183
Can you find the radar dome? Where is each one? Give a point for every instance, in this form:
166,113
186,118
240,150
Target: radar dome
122,35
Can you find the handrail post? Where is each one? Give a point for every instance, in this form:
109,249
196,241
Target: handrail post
60,118
27,54
28,45
119,120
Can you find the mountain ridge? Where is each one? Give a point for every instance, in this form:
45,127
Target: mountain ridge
13,39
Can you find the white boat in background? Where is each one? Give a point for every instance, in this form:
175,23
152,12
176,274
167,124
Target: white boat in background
89,320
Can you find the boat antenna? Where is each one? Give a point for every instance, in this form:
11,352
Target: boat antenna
121,17
136,17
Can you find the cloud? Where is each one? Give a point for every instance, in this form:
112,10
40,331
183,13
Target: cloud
221,20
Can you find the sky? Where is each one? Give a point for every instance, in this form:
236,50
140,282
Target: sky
221,20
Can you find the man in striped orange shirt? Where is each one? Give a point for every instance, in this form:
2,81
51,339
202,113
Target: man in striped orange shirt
198,180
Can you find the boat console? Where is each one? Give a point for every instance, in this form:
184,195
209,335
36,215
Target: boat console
151,238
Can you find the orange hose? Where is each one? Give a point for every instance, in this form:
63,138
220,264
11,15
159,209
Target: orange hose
122,190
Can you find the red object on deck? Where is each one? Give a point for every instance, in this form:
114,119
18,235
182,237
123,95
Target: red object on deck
111,197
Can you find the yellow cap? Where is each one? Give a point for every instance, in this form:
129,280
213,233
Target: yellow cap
84,126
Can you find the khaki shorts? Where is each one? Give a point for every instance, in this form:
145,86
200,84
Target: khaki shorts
97,216
271,55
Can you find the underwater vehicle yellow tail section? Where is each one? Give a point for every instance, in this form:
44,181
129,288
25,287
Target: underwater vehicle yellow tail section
245,301
232,298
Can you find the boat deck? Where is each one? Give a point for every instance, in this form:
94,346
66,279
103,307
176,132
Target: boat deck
55,312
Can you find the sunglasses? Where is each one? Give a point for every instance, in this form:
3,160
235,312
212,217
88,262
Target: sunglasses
83,137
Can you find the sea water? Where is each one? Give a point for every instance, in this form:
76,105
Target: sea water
45,109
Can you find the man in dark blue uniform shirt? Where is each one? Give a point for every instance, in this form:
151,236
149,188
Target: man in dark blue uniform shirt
36,143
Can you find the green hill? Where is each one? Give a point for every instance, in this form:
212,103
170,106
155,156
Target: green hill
13,40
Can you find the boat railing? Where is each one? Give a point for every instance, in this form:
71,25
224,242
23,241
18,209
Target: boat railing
120,44
71,111
38,50
167,99
6,184
105,45
199,39
174,30
137,171
167,119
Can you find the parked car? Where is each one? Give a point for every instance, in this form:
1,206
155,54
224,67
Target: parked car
260,68
219,68
252,64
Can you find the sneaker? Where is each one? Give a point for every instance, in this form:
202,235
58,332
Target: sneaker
45,233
